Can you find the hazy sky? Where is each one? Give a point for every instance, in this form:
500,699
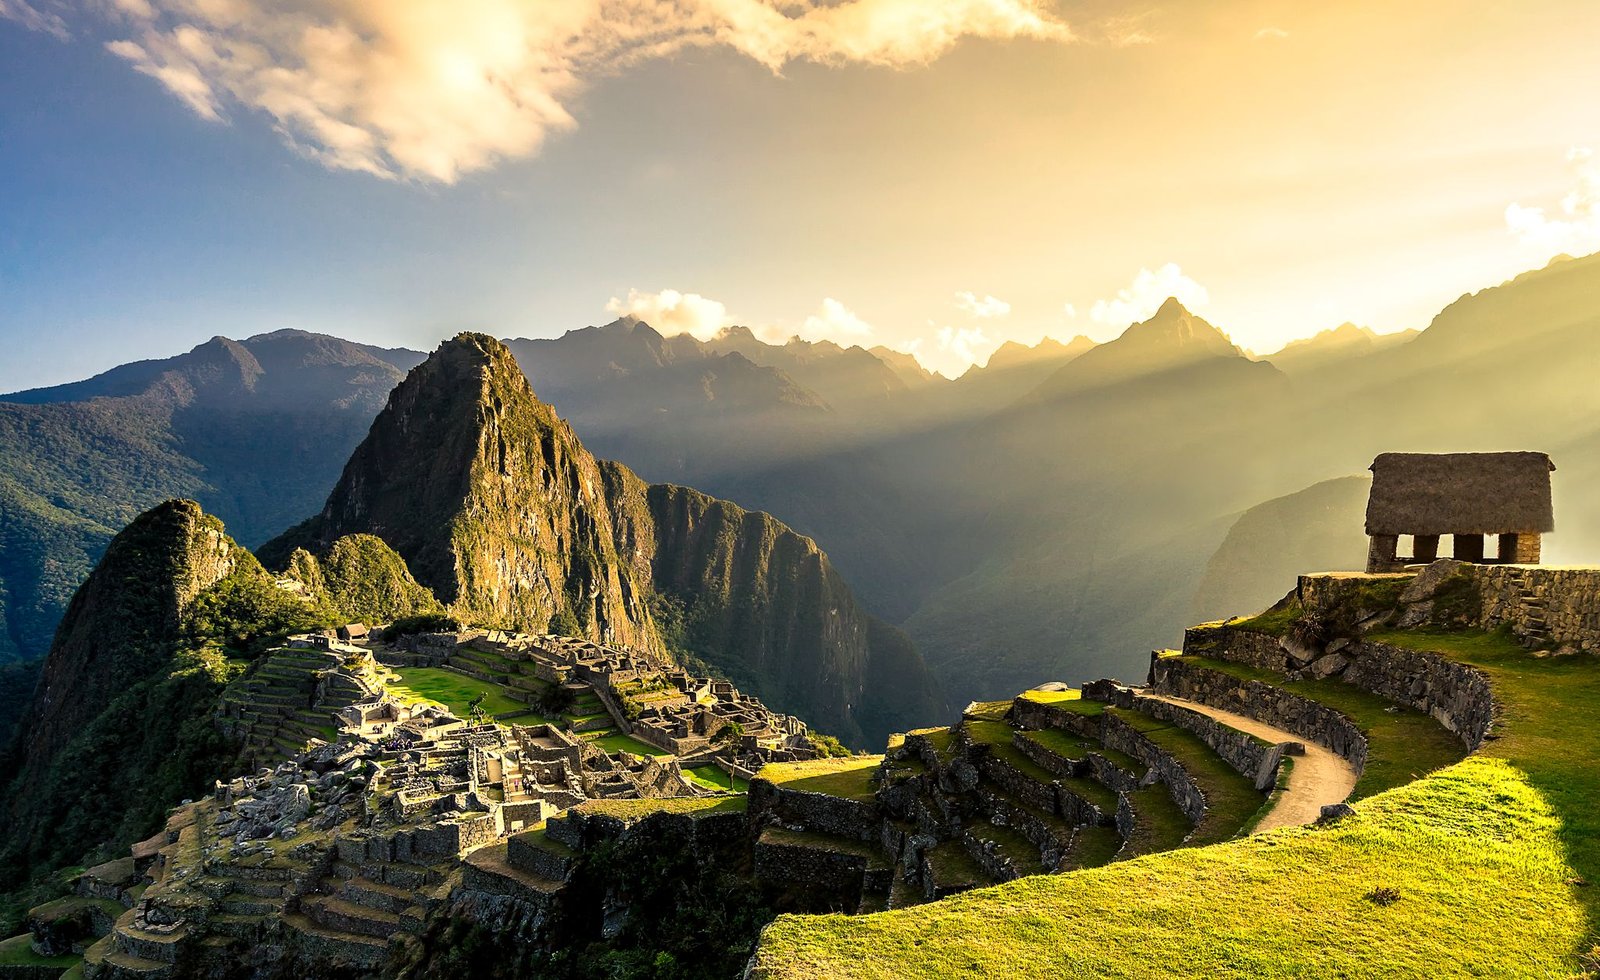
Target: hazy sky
934,175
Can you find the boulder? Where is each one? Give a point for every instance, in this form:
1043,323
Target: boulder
1427,582
1326,667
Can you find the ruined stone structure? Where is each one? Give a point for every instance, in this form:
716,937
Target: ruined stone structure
1468,496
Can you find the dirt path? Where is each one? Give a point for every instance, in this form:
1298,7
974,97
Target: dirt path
1319,777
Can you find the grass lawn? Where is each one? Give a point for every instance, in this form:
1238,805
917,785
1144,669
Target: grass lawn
454,691
18,951
618,742
713,778
850,777
1486,855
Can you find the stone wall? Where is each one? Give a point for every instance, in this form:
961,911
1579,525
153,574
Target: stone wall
1271,705
1456,695
1185,791
1026,713
1260,650
1555,605
1251,757
816,812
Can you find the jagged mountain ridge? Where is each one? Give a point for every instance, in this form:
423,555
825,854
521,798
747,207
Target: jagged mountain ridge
497,507
255,429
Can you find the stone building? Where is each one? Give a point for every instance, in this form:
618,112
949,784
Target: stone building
1470,497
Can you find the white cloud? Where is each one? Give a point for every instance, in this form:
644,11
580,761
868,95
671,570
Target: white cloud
33,18
962,347
1271,34
1575,228
836,322
1148,291
434,89
671,312
1070,311
987,308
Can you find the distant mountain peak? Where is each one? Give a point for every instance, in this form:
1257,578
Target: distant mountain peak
1174,328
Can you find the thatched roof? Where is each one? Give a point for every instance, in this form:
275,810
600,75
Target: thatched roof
1460,493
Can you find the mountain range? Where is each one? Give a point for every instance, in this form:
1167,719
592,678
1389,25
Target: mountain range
1049,516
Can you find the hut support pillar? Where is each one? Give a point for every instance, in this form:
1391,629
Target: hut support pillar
1469,547
1519,549
1381,552
1426,549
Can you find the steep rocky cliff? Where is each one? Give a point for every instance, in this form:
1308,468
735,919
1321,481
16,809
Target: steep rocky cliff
495,505
489,498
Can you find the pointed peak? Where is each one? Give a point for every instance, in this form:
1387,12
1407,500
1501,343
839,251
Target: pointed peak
1171,308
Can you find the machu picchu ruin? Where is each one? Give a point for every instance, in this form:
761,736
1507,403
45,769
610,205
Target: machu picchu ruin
514,764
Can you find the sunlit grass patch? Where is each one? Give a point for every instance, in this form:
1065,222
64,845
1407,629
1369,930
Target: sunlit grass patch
618,742
1473,853
450,689
849,778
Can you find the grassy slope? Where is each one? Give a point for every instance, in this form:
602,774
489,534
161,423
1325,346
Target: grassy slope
1483,854
849,777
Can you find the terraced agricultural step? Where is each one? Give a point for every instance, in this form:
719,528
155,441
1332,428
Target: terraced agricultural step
344,916
411,877
1091,847
487,869
359,950
376,895
1002,852
241,904
949,869
104,961
813,860
236,925
1154,822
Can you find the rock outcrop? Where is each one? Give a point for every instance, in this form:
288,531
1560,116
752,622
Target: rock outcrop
495,505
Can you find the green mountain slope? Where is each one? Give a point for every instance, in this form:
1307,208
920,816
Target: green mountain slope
256,430
118,728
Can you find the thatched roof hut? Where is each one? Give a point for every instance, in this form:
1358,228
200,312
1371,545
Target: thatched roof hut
1460,494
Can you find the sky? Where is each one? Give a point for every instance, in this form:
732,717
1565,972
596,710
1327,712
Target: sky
937,176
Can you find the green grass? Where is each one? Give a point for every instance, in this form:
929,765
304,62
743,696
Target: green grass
1093,846
1071,746
618,742
1401,745
1231,799
712,777
1485,854
823,842
848,778
988,710
18,951
450,689
1274,622
695,806
1064,744
1158,824
1051,697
